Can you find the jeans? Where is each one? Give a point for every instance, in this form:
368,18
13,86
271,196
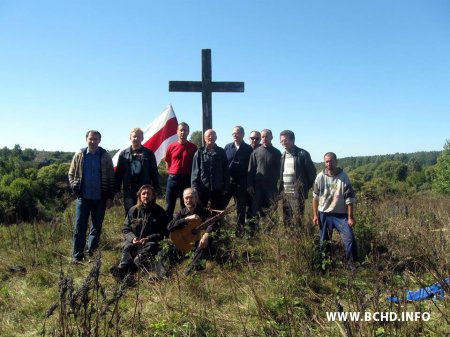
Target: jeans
84,209
330,221
176,184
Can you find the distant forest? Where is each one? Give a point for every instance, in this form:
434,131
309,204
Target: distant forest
34,184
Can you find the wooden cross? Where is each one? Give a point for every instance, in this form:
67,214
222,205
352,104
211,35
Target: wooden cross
206,86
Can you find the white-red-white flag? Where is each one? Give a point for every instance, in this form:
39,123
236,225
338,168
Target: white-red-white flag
158,134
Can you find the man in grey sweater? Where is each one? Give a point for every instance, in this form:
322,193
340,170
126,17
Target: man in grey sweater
263,173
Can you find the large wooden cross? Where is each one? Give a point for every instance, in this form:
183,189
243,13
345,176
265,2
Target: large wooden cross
206,86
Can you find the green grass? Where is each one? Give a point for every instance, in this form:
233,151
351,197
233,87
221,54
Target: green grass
271,285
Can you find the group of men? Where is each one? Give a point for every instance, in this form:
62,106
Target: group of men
205,179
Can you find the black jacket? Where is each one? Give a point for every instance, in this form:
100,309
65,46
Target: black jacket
238,162
149,172
264,168
144,222
305,171
210,170
179,220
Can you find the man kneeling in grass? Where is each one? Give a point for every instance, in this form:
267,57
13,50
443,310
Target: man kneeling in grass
144,227
180,227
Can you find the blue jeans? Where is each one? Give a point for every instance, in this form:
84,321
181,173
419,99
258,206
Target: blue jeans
330,221
84,209
176,183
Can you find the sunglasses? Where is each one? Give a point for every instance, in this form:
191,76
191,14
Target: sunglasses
255,138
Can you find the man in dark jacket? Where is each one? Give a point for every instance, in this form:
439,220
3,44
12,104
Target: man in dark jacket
210,176
192,212
91,177
297,175
238,156
136,166
144,227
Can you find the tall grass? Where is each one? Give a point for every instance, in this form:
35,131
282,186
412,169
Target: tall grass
274,284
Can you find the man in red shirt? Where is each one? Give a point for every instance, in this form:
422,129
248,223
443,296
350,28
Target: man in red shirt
178,159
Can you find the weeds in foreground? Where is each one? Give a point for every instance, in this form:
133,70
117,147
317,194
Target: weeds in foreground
273,284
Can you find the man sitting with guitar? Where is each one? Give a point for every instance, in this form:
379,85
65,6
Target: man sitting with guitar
186,233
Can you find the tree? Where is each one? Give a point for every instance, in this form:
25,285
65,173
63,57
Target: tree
393,170
441,181
21,198
53,180
197,138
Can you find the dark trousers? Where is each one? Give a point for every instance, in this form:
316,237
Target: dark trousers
263,198
128,202
85,208
169,257
293,210
176,184
219,201
131,251
241,198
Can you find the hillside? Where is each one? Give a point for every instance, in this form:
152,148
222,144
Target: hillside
271,285
274,284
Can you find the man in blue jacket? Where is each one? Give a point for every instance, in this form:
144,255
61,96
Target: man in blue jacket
238,156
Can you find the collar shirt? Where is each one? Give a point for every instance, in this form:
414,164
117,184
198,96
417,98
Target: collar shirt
92,176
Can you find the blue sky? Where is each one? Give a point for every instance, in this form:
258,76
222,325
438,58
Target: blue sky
353,77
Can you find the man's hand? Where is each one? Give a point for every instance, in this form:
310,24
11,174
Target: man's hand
203,241
351,221
193,217
139,242
316,220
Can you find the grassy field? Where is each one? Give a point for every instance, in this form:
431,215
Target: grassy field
274,284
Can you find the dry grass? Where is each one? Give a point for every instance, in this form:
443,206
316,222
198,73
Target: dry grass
272,285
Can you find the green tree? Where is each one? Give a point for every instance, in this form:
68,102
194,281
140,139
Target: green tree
393,170
441,181
28,154
53,179
21,198
197,138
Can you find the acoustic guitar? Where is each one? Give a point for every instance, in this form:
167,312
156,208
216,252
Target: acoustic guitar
185,238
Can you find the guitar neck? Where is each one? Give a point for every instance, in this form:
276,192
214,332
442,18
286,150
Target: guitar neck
215,218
